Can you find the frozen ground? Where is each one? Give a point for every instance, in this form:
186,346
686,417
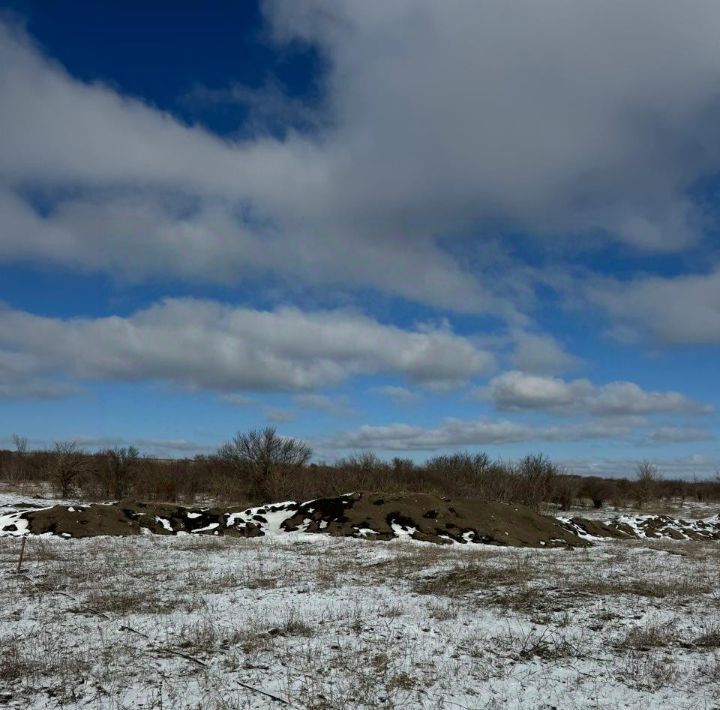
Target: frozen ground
13,501
341,623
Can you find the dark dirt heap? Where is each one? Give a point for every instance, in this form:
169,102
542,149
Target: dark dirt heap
372,516
367,515
430,519
639,527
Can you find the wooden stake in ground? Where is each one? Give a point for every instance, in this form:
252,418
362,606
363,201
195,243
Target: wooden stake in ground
22,554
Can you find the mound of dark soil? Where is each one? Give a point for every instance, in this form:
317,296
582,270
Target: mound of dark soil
430,519
368,515
646,526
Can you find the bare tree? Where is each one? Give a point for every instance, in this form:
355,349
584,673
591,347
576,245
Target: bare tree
535,477
20,443
67,463
16,467
361,461
598,490
120,465
648,478
266,457
402,465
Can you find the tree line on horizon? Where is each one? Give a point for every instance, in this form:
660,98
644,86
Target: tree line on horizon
259,466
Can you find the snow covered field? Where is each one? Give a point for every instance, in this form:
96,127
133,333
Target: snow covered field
323,622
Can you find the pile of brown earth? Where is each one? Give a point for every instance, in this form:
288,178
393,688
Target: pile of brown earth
640,527
372,516
367,515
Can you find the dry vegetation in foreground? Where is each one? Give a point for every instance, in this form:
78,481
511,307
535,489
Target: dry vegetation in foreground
335,623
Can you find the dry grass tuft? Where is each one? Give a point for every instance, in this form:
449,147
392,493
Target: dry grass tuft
470,578
651,635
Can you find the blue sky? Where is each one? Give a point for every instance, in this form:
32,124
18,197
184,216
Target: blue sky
414,227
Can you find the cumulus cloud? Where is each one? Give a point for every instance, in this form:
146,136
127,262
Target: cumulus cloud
141,234
684,310
520,391
205,344
540,354
21,377
453,111
439,119
627,398
148,190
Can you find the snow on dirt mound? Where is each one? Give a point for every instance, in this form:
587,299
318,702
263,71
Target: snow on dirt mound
367,515
645,526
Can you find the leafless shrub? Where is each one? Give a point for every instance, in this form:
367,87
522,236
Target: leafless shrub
647,477
120,465
564,491
14,468
20,443
268,458
67,464
598,490
261,466
536,480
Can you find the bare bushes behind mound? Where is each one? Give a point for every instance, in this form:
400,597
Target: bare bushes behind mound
260,466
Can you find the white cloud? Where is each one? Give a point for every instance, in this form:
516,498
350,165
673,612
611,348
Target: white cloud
148,191
681,310
627,398
559,114
438,118
140,234
540,354
204,344
454,433
21,378
520,391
